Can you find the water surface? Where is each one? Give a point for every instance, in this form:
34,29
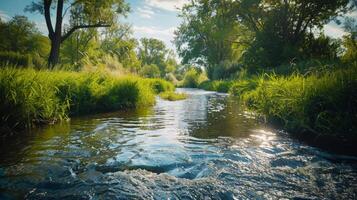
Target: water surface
204,147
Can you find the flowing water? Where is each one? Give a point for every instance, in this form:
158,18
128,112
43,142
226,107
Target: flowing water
204,147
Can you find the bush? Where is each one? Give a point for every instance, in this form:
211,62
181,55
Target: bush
150,71
15,59
160,85
30,97
193,78
219,86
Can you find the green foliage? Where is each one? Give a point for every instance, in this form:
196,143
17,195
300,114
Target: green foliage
193,78
27,98
118,41
257,34
173,96
223,70
153,52
209,35
350,40
241,87
30,97
159,85
219,86
319,103
21,43
15,59
150,71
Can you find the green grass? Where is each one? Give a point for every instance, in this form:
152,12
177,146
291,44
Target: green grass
320,103
29,97
219,86
160,85
173,96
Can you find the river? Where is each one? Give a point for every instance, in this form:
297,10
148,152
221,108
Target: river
204,147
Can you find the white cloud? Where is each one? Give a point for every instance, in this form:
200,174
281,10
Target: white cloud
170,5
4,16
154,31
334,30
166,35
145,12
42,27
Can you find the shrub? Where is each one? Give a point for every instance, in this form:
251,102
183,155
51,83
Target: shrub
219,86
15,59
193,78
159,85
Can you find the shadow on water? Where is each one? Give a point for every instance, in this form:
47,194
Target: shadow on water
203,147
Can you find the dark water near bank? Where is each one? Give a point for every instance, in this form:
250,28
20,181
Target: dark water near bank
204,147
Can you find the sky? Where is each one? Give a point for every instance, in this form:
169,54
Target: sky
149,18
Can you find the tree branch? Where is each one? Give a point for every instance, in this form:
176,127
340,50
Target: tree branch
47,8
74,28
70,6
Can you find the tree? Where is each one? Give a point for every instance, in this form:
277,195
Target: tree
350,40
150,71
17,35
153,51
258,33
118,42
20,36
92,14
282,28
210,34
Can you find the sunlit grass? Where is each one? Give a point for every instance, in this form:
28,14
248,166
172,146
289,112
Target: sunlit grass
219,86
29,97
321,103
173,96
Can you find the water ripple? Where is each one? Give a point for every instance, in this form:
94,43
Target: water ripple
205,147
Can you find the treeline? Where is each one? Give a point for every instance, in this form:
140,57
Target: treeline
89,64
88,42
261,35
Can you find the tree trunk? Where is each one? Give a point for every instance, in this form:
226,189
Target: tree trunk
54,35
53,59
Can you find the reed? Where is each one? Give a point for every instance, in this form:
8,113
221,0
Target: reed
29,97
321,103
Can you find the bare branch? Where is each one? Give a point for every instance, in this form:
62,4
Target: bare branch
74,28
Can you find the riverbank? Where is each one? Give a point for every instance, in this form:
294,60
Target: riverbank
319,105
204,146
30,98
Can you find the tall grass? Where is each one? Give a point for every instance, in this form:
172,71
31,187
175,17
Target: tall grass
29,97
321,103
173,96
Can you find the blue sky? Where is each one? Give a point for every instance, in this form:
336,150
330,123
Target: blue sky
149,18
